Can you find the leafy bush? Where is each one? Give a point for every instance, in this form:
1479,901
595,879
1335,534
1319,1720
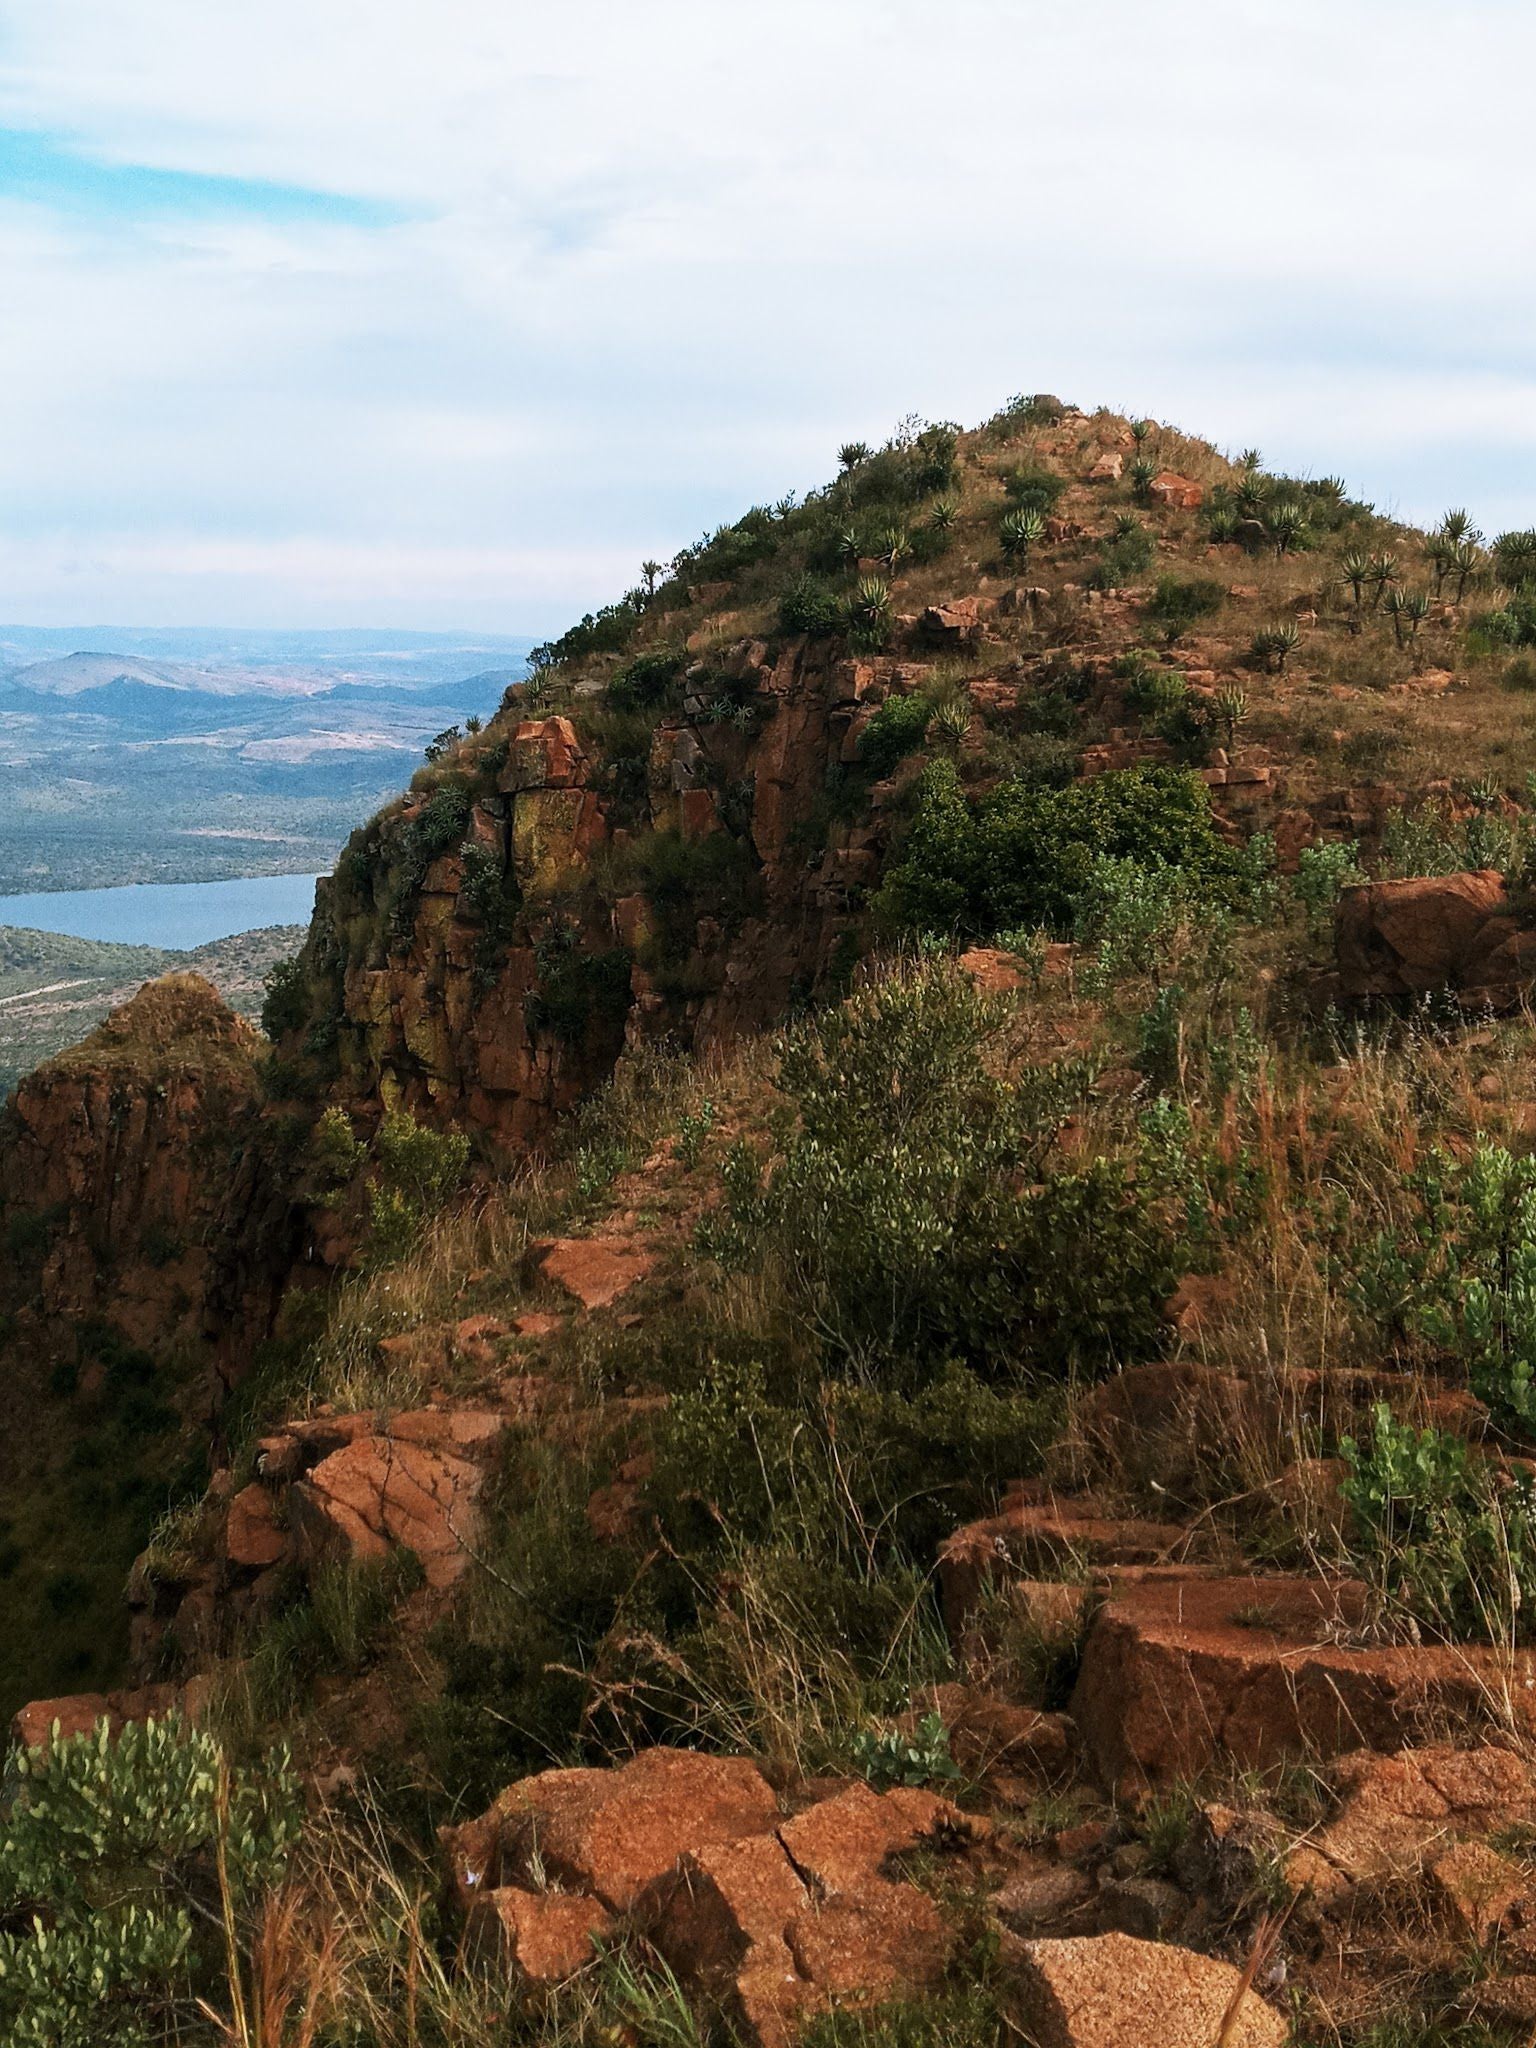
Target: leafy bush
575,987
895,729
1032,489
110,1854
1178,602
905,1756
437,827
1023,856
418,1170
1442,1535
810,606
1321,872
910,1211
285,1005
1128,553
647,681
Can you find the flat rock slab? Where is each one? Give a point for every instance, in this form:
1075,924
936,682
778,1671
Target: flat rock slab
380,1492
610,1833
1113,1991
1178,1674
595,1270
1031,1538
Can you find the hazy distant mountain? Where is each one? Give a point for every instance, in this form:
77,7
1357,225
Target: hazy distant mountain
72,673
199,756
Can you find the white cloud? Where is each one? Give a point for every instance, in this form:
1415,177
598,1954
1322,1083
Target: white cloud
651,264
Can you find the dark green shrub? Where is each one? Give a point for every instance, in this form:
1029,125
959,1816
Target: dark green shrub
576,988
603,632
1128,553
436,828
285,1005
1034,490
647,683
810,606
1023,857
1178,602
911,1211
894,730
1446,1539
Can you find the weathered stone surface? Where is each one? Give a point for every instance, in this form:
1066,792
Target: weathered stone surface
1477,1888
1398,1811
544,1938
1042,1898
1032,1536
144,1229
253,1536
1456,932
381,1491
1110,1991
78,1713
768,1919
1177,1673
596,1270
611,1833
1178,493
957,623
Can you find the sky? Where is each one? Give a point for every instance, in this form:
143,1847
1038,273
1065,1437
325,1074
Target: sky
447,313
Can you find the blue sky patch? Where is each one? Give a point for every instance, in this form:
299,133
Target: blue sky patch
47,170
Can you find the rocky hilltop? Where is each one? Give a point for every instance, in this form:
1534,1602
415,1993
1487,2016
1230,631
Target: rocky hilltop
856,1364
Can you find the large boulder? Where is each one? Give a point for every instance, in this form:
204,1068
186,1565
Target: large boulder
1431,933
767,1918
1179,1674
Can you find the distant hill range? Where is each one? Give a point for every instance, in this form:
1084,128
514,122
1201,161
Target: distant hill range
194,756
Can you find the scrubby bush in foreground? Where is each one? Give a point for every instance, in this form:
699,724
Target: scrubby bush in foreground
910,1207
130,1871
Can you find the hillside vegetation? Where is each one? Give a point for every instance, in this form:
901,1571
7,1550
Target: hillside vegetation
861,1367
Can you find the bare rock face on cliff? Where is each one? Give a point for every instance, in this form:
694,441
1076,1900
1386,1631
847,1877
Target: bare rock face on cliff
117,1162
485,949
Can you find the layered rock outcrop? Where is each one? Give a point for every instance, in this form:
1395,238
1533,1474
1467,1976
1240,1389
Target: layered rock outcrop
130,1181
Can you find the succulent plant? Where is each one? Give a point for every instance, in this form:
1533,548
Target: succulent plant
852,453
1019,531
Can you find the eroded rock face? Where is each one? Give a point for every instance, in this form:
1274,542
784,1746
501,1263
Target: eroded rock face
1441,932
124,1194
434,1009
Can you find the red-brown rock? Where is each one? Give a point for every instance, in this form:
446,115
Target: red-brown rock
379,1492
1456,932
1177,1673
544,1938
1111,1991
611,1833
595,1270
1177,493
253,1536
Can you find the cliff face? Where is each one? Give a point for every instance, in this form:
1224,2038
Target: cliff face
589,896
112,1169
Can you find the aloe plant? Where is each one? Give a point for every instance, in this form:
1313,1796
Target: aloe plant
1019,532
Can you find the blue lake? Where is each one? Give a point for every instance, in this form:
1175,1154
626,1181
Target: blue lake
166,913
